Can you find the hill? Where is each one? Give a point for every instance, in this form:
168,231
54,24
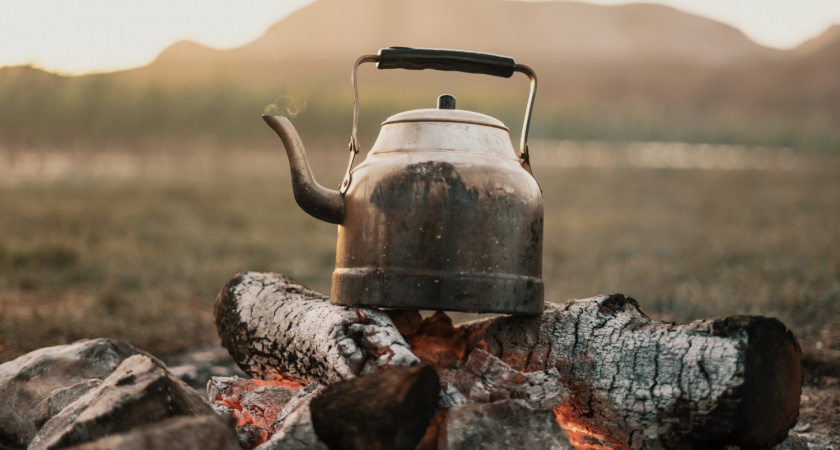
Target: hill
552,36
652,56
625,72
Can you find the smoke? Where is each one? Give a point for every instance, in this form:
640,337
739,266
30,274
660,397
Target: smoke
291,106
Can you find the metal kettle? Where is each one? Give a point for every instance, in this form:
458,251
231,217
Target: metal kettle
443,214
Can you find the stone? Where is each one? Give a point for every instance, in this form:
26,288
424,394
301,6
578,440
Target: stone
250,435
30,379
501,425
141,391
209,432
198,365
60,398
793,442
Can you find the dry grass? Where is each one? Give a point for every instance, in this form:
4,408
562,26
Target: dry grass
140,257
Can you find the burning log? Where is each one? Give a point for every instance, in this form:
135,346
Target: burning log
276,329
621,379
644,384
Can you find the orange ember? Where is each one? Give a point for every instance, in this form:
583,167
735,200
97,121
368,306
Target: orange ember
437,342
581,437
245,417
279,380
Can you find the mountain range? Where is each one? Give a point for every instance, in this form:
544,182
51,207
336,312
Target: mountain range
579,50
652,57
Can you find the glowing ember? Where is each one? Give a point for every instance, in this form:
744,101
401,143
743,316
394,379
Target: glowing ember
437,342
581,437
254,404
280,379
475,375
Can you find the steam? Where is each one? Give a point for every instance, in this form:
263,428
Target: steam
291,106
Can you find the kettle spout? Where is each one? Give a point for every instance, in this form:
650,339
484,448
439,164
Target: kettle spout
318,201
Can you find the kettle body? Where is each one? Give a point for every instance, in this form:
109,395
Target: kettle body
441,216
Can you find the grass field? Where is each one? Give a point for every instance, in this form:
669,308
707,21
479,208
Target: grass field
139,252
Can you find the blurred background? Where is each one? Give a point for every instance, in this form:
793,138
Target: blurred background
682,162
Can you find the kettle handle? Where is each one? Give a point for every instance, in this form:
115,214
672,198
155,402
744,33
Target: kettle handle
440,59
449,60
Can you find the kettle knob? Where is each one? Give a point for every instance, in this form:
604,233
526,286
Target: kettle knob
446,101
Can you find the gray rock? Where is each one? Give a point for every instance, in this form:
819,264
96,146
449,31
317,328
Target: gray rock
141,391
179,433
250,435
26,381
793,442
60,398
198,365
501,425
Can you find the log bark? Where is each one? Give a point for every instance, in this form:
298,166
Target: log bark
275,328
646,384
632,382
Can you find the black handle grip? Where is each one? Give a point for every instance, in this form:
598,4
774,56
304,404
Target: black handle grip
452,60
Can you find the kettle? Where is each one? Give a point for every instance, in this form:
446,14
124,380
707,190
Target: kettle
443,214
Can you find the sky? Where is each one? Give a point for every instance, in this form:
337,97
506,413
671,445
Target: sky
80,36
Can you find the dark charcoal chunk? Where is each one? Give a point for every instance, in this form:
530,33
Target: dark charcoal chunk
385,410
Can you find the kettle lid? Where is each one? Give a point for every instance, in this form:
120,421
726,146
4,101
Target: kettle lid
445,115
444,128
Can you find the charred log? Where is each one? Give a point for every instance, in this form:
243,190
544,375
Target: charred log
631,382
275,328
647,384
385,410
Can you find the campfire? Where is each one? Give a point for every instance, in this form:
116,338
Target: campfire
590,374
594,373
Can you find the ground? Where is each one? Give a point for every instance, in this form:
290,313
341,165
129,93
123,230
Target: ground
135,247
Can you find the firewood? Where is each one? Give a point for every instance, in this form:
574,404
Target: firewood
275,328
632,382
646,384
385,410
